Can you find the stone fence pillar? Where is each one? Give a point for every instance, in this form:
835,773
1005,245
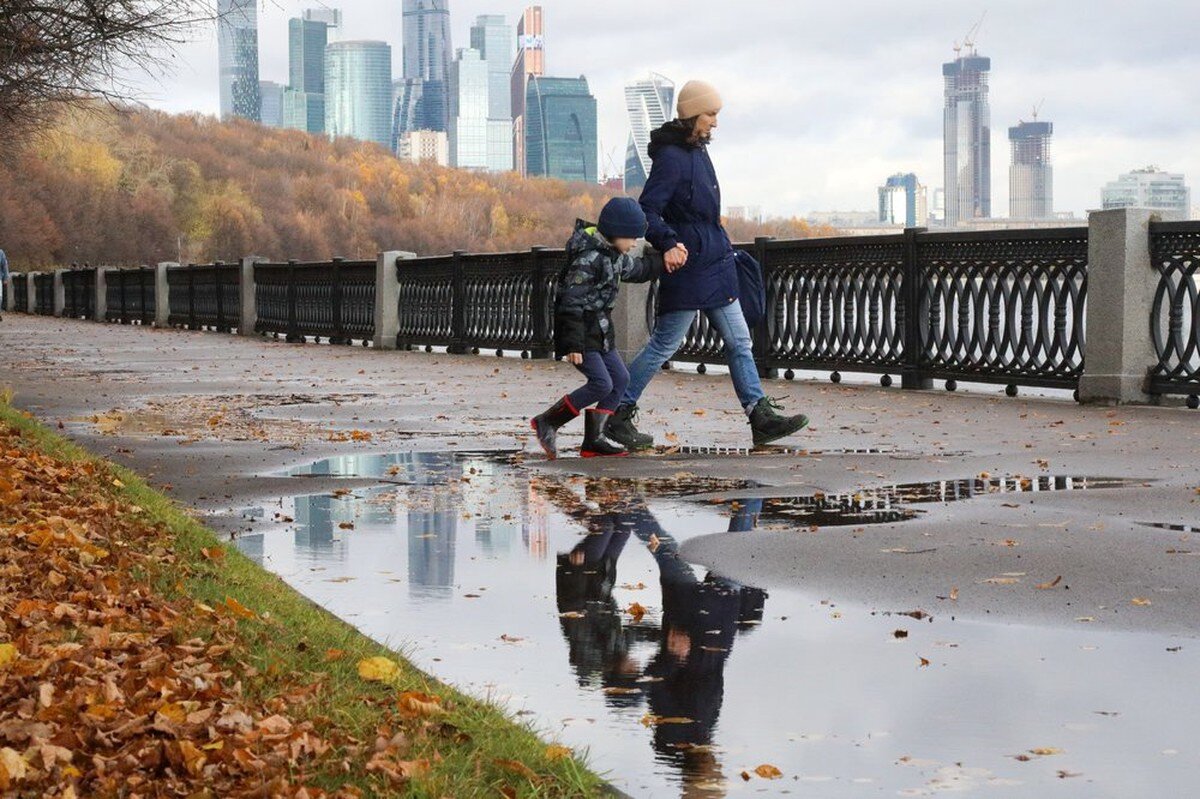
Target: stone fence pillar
162,294
10,303
100,301
1121,286
387,298
249,310
629,312
60,293
31,292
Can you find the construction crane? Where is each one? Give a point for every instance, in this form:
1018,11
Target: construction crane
1037,109
968,43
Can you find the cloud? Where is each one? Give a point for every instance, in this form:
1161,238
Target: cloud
823,101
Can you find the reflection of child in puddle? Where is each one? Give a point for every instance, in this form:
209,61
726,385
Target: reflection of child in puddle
700,619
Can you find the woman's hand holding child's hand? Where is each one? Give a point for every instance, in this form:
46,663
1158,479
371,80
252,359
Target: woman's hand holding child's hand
675,258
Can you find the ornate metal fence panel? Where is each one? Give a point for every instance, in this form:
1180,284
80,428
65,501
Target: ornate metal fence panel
426,305
271,294
325,299
129,295
20,287
354,289
507,300
834,304
205,295
79,293
1004,306
43,287
1175,313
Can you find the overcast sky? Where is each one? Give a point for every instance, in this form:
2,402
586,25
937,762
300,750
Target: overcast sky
826,99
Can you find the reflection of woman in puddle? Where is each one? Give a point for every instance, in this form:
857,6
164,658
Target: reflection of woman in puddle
700,619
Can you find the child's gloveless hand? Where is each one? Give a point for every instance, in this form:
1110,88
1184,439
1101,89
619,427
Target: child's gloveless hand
575,358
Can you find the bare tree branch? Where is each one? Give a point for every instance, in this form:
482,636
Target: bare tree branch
56,54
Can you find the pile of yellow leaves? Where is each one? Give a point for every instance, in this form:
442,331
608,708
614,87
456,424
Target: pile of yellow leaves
107,687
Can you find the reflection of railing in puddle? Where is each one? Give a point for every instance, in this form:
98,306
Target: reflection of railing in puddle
890,503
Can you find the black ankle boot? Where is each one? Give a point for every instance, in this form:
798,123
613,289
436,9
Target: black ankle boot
546,425
768,426
622,429
595,443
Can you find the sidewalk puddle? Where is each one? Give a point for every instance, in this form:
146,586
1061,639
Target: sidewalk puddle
563,598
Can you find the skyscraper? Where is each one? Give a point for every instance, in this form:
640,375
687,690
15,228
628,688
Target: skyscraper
492,36
469,110
903,201
237,47
332,17
270,111
561,133
1166,192
1031,175
530,62
650,105
406,108
306,74
967,139
358,91
427,58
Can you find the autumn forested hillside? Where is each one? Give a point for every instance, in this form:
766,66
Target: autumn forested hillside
140,187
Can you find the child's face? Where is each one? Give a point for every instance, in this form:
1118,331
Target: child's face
624,245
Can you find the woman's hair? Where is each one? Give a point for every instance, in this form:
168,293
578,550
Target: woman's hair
689,127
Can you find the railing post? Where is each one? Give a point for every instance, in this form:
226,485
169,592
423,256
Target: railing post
143,305
292,336
911,375
539,311
1121,283
387,297
335,293
458,307
217,287
191,294
761,334
162,294
10,303
248,317
31,292
60,294
100,295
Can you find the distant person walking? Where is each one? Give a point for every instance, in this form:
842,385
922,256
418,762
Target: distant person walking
682,201
3,280
598,259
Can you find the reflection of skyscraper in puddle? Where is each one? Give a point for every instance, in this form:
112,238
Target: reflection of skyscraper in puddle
498,508
432,521
316,526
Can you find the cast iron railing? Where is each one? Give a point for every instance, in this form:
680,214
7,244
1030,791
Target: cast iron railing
501,301
1175,314
20,286
205,295
1005,306
43,287
1002,306
79,293
330,299
129,295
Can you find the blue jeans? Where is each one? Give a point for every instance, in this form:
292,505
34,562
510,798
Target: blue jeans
607,378
669,332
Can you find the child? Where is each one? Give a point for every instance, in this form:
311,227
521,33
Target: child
598,260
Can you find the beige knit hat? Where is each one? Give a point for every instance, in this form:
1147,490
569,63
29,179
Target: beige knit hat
696,98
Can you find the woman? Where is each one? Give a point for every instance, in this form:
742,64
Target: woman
682,201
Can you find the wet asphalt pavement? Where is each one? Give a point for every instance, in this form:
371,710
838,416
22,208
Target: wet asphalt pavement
1051,546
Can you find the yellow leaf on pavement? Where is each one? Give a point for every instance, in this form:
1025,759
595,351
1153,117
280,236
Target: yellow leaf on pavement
1141,601
8,653
768,772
